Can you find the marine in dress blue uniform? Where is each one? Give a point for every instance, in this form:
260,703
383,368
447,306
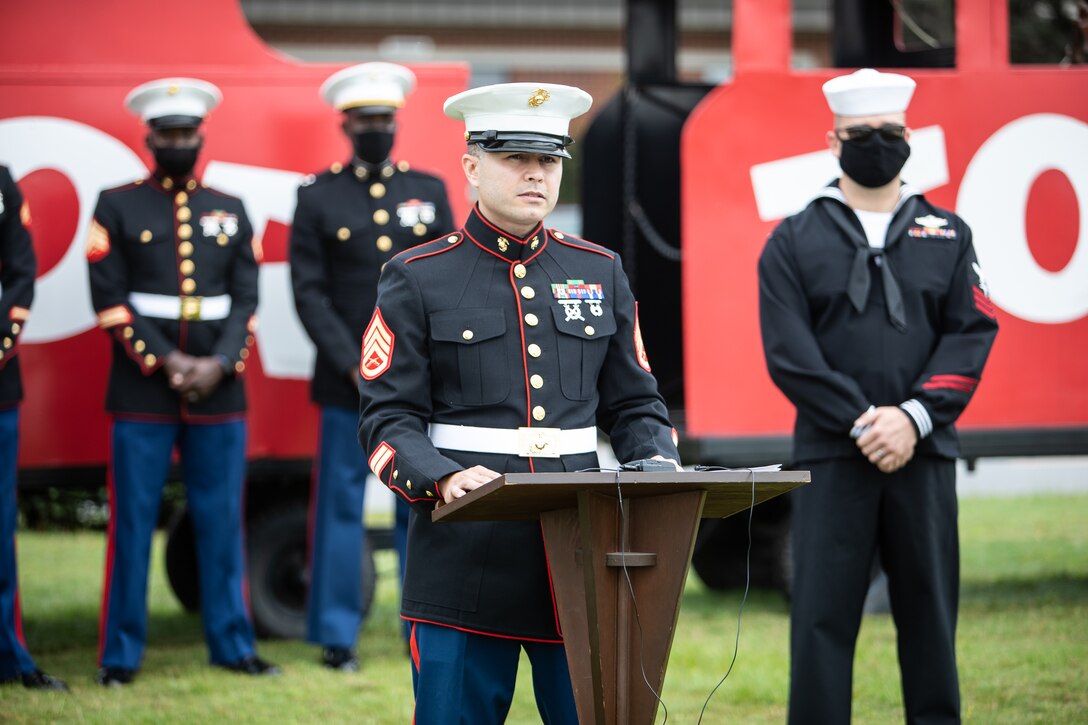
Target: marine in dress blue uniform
173,274
17,270
349,221
876,324
500,347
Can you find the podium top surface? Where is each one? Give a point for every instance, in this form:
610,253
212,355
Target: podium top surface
524,496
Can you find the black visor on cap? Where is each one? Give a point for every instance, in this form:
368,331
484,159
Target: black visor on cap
523,141
175,122
371,110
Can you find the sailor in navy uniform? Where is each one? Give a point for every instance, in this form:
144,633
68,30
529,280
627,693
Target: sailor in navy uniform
173,274
350,221
500,347
876,324
17,270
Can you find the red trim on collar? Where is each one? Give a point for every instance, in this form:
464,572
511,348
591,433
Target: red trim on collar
522,240
495,254
155,182
534,255
492,252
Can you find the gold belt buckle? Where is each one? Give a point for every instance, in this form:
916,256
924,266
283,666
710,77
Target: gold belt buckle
538,442
190,307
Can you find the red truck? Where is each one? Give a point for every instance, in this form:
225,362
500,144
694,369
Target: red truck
1005,146
65,67
688,180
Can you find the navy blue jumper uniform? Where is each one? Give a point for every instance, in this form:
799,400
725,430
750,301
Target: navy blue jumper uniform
348,223
17,271
172,267
477,335
846,326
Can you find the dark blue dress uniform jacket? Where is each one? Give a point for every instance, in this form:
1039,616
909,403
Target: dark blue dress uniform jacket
178,238
349,221
17,271
833,361
478,337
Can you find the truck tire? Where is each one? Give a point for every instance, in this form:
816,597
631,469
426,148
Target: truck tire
279,574
721,555
180,559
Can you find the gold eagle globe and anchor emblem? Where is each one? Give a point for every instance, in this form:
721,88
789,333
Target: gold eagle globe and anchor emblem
538,98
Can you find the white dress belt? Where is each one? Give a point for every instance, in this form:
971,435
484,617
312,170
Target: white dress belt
174,307
524,442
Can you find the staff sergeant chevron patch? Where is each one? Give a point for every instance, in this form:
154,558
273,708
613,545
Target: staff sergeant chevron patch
377,348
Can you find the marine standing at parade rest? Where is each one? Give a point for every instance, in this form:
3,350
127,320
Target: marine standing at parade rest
18,267
174,283
499,348
348,223
877,323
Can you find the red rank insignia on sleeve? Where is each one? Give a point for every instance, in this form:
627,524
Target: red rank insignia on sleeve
98,242
377,348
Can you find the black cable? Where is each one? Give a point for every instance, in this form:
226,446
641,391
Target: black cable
634,603
747,582
631,589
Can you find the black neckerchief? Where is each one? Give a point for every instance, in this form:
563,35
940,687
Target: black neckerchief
857,286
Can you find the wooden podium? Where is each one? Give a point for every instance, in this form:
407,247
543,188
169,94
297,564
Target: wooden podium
600,552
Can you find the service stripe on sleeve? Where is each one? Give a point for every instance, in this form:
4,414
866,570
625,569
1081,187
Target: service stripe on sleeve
380,458
983,304
114,316
951,382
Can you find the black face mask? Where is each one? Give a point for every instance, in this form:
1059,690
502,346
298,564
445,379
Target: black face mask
174,161
875,161
372,147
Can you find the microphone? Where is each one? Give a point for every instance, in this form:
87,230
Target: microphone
648,464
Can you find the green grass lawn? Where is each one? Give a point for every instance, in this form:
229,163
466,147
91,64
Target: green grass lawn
1023,642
